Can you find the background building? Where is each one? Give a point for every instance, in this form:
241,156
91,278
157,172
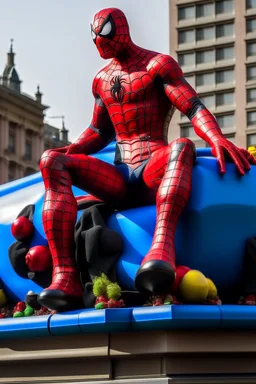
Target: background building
23,135
21,126
55,137
215,44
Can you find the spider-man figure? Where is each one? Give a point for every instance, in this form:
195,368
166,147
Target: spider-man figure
135,97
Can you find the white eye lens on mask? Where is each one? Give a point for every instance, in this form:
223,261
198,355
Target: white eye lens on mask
93,35
106,29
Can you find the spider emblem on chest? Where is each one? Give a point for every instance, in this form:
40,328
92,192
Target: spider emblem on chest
117,89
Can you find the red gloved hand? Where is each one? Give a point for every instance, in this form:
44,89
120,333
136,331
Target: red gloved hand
241,157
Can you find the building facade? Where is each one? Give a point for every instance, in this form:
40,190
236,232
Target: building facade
23,134
21,126
55,137
214,41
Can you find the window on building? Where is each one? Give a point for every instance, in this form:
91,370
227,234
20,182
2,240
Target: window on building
251,118
12,138
226,53
224,6
187,59
203,57
187,37
251,49
208,100
251,95
28,146
191,80
251,25
251,140
226,121
224,98
187,131
206,33
251,73
186,13
204,79
224,30
28,150
250,4
204,10
11,171
225,76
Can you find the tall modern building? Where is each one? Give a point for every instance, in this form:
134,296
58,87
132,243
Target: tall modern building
215,43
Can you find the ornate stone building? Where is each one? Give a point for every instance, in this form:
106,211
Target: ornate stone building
23,135
21,126
54,137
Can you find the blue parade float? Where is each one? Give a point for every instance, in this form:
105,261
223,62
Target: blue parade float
211,238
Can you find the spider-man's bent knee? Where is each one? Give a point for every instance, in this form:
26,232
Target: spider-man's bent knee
51,159
182,144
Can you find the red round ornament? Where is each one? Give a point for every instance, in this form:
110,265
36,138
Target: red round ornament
38,259
22,228
181,271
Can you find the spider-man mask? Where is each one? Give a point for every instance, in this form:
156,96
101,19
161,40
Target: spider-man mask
110,32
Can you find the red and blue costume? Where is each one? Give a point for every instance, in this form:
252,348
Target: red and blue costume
135,97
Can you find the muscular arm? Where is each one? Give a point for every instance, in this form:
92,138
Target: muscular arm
185,99
99,133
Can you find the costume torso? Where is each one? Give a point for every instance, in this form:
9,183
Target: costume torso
137,105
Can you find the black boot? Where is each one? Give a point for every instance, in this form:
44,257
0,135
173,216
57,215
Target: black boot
57,300
155,276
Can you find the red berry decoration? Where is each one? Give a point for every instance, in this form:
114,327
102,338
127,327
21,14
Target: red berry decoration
22,228
19,307
43,311
112,303
39,259
157,303
101,299
157,300
120,303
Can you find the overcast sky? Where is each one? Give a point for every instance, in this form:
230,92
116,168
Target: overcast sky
54,48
